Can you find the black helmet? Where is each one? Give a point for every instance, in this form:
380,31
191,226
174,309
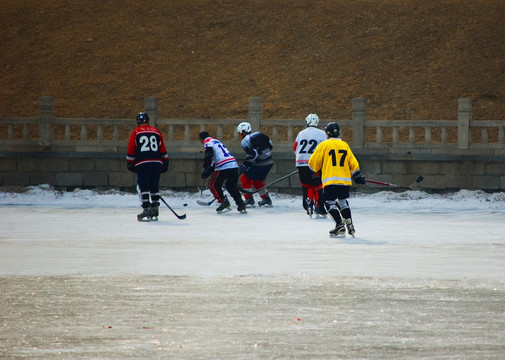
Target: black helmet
332,130
203,135
142,118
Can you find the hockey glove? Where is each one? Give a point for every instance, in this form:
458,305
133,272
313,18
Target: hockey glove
206,172
164,167
131,167
244,166
358,178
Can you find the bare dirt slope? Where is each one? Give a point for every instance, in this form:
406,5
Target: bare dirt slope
409,59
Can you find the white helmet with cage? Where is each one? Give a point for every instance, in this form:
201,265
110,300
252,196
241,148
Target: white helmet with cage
312,120
244,126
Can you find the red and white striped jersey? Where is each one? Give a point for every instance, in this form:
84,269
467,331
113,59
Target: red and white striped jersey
223,158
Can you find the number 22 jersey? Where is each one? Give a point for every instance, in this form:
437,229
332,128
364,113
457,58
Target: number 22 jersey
305,144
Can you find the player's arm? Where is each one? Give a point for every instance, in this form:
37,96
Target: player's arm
353,164
208,158
316,159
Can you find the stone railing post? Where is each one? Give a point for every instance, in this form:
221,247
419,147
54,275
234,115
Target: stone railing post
358,122
464,118
255,113
46,117
151,108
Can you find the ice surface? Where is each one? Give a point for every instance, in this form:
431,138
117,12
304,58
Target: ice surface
81,278
407,234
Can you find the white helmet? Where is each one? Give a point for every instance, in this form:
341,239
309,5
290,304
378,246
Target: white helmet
312,120
244,126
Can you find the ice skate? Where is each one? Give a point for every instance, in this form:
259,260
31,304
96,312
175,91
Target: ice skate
249,202
224,206
321,214
145,215
310,212
154,211
241,208
266,201
310,207
350,227
338,232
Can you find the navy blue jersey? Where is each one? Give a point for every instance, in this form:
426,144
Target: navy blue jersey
258,147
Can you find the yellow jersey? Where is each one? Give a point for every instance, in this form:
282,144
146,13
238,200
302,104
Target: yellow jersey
335,160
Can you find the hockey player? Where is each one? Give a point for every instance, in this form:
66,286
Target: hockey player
219,162
147,156
338,166
306,142
257,164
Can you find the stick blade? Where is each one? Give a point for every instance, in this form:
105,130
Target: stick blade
245,191
417,183
204,203
180,217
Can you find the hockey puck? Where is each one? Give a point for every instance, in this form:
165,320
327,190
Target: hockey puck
184,204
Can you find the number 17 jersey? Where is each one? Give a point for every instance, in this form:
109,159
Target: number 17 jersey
306,143
336,161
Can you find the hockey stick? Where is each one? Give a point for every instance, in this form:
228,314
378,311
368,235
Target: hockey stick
205,203
413,186
203,188
180,217
264,187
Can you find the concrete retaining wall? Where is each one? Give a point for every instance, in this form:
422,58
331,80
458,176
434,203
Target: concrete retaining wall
393,151
108,170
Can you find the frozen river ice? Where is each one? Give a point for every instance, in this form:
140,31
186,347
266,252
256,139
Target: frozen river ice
81,278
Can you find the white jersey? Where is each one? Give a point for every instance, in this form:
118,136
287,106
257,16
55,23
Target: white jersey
223,159
305,144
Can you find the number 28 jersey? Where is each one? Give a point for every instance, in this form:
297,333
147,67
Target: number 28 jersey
305,144
146,146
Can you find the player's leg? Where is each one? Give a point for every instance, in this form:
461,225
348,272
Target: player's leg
330,196
345,210
143,180
246,184
231,187
216,185
154,190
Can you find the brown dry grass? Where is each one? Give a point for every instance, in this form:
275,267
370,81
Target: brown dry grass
410,59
